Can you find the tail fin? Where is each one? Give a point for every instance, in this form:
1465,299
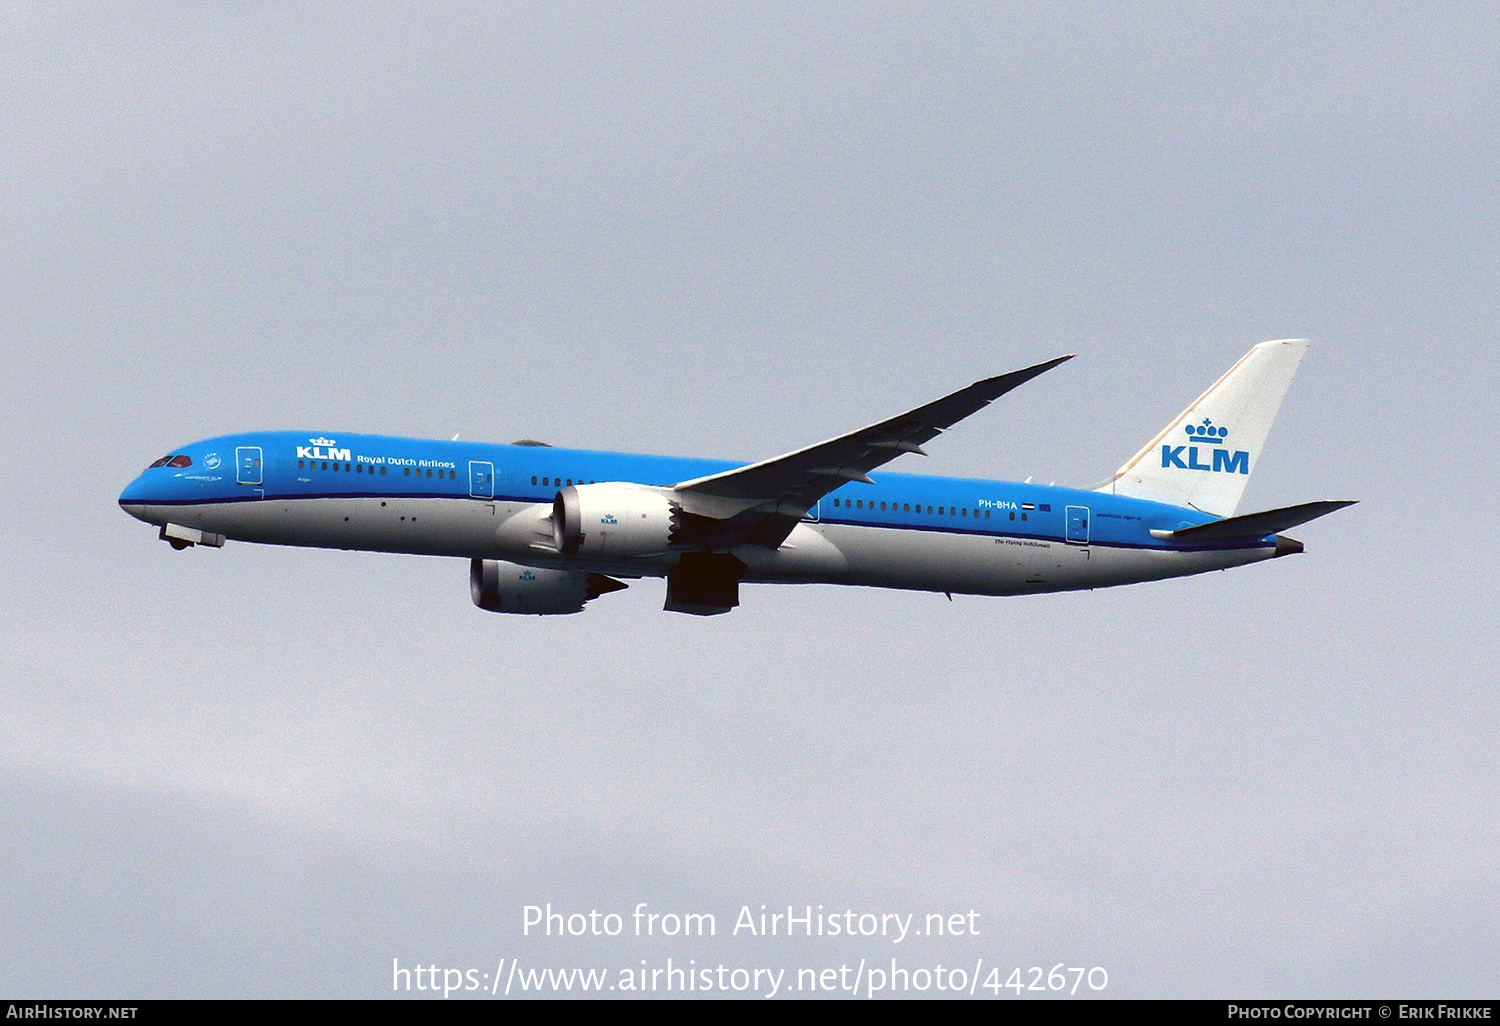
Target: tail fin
1203,458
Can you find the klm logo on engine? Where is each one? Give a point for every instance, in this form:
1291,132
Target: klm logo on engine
321,449
1203,439
608,518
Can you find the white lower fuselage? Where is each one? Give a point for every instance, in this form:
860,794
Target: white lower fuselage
929,559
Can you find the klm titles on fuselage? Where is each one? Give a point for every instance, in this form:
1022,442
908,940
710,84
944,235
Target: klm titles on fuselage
314,452
324,449
1224,461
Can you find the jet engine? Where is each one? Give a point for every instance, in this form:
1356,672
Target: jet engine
503,587
611,519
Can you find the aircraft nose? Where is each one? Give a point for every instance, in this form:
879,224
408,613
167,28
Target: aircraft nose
134,493
135,497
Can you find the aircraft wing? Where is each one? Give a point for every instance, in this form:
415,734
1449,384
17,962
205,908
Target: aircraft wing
762,502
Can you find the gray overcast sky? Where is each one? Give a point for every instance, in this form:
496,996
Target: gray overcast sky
731,230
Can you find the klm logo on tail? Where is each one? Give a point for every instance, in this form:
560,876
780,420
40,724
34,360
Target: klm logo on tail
1241,404
1209,438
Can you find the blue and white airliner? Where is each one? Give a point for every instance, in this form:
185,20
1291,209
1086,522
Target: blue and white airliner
547,529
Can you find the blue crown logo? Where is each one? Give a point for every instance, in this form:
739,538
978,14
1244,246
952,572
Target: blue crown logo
321,441
1206,432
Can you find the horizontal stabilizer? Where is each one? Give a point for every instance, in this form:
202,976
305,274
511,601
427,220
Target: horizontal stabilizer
1259,525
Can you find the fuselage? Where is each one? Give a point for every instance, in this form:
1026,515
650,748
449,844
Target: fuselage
495,502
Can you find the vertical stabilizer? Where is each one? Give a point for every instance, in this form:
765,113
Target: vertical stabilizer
1204,457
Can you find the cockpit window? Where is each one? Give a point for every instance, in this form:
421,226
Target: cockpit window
159,463
172,461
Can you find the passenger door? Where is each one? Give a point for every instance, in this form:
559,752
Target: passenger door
247,463
1078,525
481,479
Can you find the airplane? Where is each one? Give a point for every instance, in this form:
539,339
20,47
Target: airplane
548,529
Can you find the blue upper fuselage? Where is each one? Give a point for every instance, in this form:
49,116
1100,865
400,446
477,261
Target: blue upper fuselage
287,465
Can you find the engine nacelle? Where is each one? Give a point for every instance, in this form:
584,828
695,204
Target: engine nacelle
503,587
611,519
